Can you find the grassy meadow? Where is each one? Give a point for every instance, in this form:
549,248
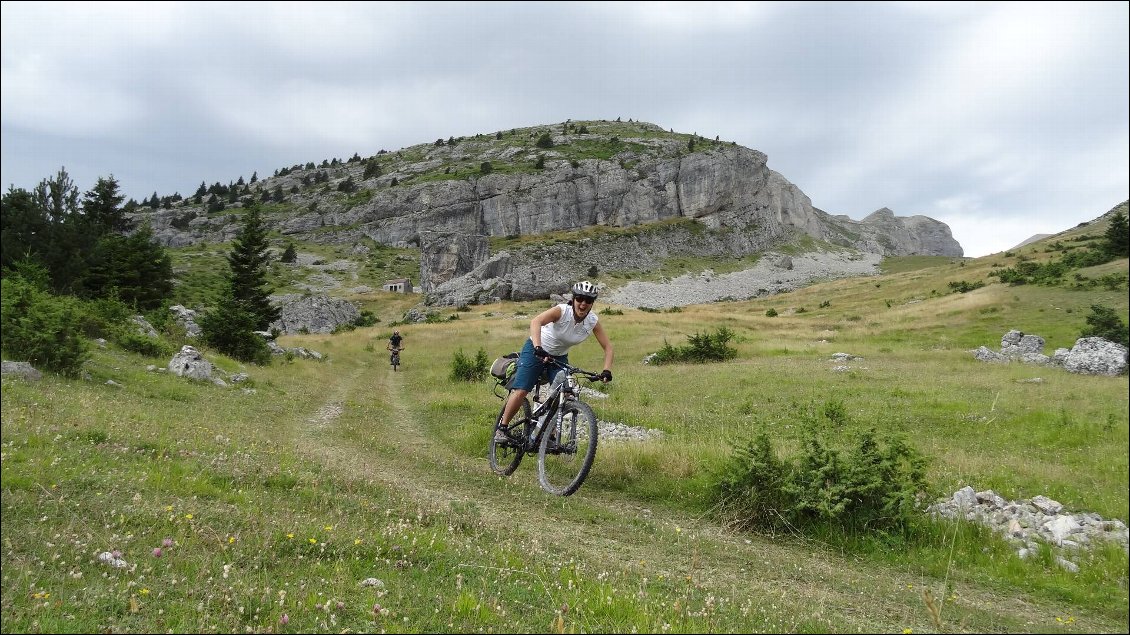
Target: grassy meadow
338,496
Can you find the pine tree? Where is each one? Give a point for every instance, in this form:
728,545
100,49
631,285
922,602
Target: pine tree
1118,236
248,261
58,197
24,228
101,206
244,306
135,268
372,169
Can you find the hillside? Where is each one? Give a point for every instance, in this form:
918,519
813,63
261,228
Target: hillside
453,199
337,495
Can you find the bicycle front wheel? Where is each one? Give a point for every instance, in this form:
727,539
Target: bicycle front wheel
566,453
505,457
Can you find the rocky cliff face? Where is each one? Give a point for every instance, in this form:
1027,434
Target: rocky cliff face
640,175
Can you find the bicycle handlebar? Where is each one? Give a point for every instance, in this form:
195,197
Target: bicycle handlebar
569,368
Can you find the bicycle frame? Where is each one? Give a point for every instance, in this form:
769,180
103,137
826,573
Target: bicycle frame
549,408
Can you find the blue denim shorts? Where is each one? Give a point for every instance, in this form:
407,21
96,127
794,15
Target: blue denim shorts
530,368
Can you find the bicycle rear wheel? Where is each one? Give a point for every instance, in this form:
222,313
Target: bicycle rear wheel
505,457
566,454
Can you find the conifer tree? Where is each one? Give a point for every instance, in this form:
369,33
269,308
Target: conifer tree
135,268
1118,236
58,197
24,228
244,305
248,261
101,206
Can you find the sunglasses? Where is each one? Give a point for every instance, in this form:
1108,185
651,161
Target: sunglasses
587,299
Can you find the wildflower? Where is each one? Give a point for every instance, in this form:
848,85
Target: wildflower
144,591
907,631
168,542
356,541
168,508
290,536
313,541
231,539
329,527
188,516
117,554
157,553
284,620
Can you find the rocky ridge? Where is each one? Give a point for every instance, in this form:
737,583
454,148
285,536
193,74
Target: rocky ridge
445,199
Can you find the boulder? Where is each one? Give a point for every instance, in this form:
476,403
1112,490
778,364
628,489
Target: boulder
22,369
1096,356
190,363
313,314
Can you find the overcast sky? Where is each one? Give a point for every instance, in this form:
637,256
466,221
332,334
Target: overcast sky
1002,120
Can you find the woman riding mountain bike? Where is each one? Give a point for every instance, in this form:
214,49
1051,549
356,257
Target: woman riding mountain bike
552,334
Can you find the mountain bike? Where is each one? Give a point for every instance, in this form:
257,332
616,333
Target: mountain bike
394,358
562,428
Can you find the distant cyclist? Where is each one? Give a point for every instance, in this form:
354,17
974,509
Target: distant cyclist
552,334
394,346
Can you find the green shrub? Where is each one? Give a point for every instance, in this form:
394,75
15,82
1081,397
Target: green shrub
872,486
1104,323
771,313
366,318
40,328
143,344
701,348
965,287
464,368
105,317
290,254
230,329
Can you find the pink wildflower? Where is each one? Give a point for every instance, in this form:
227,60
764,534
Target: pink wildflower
284,619
157,552
168,542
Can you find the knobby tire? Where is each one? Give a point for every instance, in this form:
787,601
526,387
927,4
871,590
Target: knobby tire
564,463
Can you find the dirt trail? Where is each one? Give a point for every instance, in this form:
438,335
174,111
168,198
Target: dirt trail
616,533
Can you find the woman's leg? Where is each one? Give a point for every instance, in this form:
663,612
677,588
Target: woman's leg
512,404
525,378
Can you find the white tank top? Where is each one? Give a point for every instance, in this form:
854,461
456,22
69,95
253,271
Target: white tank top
557,337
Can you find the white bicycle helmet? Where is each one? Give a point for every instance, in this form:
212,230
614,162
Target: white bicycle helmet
584,287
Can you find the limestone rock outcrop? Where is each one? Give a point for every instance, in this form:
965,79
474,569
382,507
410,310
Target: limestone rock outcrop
650,177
